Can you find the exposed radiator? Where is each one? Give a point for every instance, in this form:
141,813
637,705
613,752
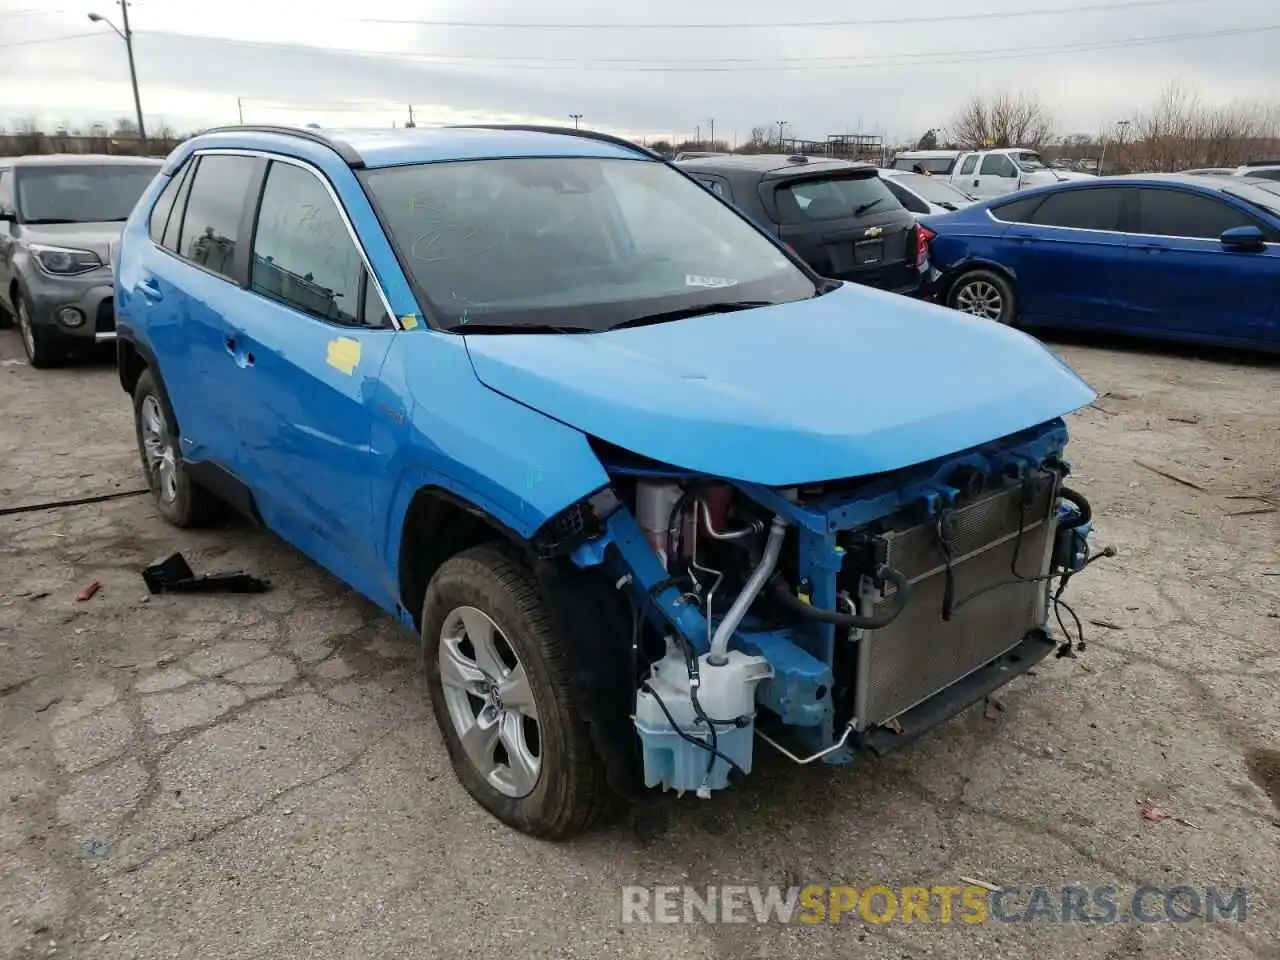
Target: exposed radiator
920,654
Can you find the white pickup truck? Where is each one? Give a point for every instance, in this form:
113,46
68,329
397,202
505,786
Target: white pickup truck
986,173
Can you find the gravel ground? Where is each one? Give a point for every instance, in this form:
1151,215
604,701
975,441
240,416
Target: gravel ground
259,776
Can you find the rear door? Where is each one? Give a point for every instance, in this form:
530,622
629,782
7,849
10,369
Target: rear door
190,285
847,225
1070,259
966,174
1187,281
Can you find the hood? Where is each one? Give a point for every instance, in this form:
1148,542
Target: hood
851,383
102,238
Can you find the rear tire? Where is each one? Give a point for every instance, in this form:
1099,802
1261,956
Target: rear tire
985,294
179,499
499,679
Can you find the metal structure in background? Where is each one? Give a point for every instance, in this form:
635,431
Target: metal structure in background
127,36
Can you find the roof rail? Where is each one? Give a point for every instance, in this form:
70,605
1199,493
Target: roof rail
343,149
563,131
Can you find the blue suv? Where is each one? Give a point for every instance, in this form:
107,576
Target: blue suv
646,487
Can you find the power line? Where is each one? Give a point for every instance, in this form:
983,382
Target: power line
879,61
776,25
69,36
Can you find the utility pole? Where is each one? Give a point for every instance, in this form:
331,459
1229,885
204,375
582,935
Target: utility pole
712,121
782,125
411,122
240,110
127,36
575,117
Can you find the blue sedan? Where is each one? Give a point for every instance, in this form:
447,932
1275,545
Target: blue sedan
1174,256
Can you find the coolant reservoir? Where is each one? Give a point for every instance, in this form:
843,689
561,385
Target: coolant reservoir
725,693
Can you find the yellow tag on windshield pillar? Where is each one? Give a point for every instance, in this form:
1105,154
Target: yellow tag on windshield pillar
344,354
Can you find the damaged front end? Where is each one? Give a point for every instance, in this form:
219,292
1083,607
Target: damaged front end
830,619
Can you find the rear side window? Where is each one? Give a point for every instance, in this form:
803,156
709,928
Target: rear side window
211,227
1178,213
173,230
1017,211
303,254
6,191
829,199
970,162
1095,209
163,210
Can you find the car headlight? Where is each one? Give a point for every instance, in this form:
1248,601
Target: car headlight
65,261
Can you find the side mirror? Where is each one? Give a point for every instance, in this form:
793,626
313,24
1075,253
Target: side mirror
1243,238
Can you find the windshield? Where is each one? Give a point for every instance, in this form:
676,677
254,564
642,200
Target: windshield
578,242
81,194
1029,161
834,197
933,189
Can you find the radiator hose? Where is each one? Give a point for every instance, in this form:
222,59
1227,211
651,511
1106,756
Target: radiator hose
782,593
1077,500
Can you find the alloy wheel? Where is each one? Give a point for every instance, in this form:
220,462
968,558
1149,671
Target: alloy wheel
28,334
981,299
162,459
490,702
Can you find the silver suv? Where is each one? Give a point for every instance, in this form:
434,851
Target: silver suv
60,223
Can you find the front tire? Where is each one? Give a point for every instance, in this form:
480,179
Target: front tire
499,680
986,294
42,347
180,500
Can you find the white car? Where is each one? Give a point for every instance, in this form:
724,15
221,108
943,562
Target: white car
924,194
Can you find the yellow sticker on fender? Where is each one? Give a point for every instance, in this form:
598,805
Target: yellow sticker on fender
344,354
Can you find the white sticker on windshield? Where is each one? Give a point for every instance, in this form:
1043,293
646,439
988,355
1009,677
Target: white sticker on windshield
693,280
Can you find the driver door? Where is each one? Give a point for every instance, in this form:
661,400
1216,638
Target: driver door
997,175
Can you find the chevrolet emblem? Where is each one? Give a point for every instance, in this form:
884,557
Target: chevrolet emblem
873,232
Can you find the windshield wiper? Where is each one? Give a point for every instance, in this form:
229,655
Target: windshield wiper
686,312
48,220
864,207
518,328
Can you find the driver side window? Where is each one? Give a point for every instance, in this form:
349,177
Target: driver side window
998,165
970,162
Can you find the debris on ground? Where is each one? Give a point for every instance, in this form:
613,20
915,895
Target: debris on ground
984,884
1155,813
174,575
88,591
1191,420
49,703
992,709
1171,476
1106,624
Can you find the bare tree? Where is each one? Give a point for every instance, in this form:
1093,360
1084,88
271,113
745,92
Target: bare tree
1002,120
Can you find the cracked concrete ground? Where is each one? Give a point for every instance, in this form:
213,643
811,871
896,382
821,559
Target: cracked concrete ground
259,776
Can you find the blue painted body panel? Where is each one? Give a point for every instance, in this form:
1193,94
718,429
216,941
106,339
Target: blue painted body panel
851,383
1173,288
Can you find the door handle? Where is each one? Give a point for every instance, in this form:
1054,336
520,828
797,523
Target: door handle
1153,248
231,345
1023,237
147,287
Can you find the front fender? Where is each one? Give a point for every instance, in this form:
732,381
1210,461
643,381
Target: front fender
515,465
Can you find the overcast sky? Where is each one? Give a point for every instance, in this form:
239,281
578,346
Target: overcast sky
301,61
